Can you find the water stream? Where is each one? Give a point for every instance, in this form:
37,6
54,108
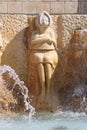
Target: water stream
39,121
24,91
45,121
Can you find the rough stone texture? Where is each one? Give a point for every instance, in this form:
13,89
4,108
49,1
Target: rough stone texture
72,67
67,24
35,6
73,63
14,52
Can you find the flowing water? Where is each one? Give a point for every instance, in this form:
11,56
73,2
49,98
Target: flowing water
45,121
40,121
24,91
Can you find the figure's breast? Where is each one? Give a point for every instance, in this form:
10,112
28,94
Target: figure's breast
41,41
43,46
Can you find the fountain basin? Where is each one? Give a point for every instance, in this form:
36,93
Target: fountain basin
44,121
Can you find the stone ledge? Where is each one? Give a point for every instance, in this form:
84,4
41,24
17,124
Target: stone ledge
3,7
71,7
35,6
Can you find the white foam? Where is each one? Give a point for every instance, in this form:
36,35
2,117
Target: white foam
12,74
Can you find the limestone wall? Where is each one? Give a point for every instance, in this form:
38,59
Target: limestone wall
14,51
72,66
35,6
72,60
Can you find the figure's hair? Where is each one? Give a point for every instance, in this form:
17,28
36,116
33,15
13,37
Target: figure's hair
43,19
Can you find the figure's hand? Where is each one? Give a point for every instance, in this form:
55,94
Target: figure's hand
49,41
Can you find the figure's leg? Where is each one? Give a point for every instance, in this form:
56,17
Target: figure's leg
48,71
41,78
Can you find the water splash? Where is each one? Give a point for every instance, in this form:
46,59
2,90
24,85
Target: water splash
24,90
69,114
80,96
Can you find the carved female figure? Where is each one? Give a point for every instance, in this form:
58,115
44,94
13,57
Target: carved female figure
43,54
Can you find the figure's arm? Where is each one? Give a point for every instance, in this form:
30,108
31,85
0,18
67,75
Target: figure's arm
36,39
53,39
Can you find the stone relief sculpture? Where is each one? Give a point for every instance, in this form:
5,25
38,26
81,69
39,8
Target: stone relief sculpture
43,55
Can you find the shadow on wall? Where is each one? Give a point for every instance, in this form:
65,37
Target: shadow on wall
15,55
75,74
82,6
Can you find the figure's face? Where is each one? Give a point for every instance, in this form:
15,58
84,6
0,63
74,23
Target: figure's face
44,21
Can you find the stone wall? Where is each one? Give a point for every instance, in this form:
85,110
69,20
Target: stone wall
14,51
36,6
72,66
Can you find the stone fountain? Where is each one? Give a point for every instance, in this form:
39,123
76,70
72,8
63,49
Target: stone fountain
49,55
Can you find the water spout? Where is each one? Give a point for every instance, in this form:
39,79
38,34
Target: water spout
24,91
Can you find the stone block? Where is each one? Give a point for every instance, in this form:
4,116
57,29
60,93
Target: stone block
35,7
43,6
3,7
3,0
57,0
74,0
33,0
14,0
57,7
82,0
30,7
71,7
83,7
15,7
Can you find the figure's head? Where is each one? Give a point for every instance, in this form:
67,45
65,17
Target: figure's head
43,20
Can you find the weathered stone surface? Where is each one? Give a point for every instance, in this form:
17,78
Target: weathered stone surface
14,52
43,58
43,6
73,59
57,7
82,7
3,7
71,7
66,26
15,7
72,67
52,6
29,7
3,0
